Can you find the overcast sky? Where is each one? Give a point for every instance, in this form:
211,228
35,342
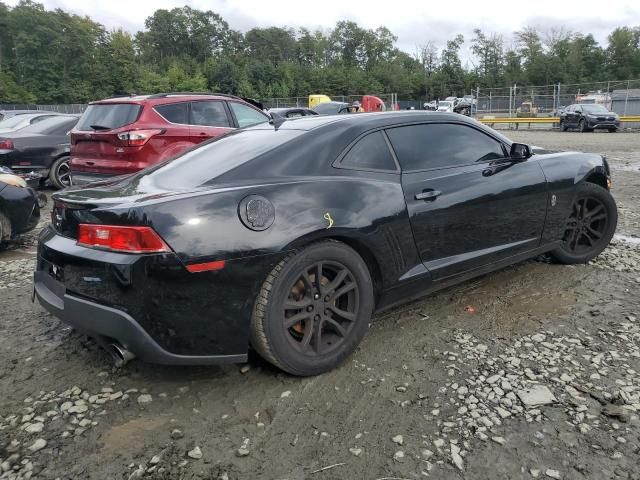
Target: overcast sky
413,21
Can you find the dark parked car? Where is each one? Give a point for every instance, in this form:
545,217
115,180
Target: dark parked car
588,117
123,135
293,112
289,238
19,208
42,147
332,108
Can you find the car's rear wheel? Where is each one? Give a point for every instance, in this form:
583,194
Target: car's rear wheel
563,126
60,173
590,225
313,309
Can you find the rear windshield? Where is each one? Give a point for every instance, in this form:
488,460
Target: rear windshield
51,126
208,161
108,116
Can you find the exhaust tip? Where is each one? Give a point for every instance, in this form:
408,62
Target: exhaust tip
121,356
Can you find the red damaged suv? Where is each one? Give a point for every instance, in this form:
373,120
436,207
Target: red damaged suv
123,135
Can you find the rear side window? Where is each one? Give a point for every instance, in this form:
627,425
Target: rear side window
441,145
203,164
211,114
246,115
174,112
371,152
108,116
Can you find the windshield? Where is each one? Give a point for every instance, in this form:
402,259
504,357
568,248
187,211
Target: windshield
445,104
594,109
14,121
108,116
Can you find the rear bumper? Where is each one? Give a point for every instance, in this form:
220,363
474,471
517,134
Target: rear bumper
107,325
151,304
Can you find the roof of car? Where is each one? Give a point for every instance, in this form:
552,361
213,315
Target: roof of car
368,120
170,97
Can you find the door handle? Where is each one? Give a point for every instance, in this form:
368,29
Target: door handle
427,195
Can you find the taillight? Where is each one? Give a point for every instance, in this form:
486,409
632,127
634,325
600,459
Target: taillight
121,239
137,138
6,144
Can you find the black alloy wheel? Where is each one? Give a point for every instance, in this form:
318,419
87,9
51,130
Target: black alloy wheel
60,174
582,127
321,307
563,126
313,309
590,226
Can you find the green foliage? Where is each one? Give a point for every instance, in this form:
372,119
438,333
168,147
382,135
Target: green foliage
52,56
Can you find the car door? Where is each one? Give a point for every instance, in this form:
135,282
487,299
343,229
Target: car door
576,114
208,119
469,204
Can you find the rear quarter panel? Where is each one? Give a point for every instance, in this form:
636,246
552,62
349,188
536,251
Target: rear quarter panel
361,211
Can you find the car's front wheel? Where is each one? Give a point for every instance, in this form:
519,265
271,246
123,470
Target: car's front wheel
563,126
590,226
60,173
313,309
582,126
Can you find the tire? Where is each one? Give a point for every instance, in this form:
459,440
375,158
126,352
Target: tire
563,126
59,174
613,130
296,348
580,245
582,126
5,230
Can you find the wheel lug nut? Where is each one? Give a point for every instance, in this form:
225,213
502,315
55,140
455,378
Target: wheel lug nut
310,308
316,296
326,299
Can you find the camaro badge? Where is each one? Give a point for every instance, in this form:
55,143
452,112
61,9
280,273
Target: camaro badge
327,217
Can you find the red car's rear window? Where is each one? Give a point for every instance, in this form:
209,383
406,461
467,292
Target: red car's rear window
108,116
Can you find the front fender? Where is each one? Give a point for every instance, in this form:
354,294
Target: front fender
564,171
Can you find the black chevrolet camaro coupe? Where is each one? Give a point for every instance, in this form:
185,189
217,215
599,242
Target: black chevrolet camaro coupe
287,238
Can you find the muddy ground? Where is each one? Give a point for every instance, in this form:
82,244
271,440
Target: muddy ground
445,387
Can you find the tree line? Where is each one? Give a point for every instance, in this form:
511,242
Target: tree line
53,56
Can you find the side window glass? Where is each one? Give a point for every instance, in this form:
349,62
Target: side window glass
441,145
211,114
371,153
174,112
246,115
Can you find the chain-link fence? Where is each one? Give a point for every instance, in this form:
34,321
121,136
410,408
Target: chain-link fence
622,97
60,108
390,100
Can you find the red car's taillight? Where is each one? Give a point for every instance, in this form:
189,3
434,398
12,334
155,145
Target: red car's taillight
6,145
137,138
121,239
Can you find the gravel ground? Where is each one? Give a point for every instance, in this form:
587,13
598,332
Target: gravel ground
530,372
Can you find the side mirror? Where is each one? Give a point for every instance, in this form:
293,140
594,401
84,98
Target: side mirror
519,151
